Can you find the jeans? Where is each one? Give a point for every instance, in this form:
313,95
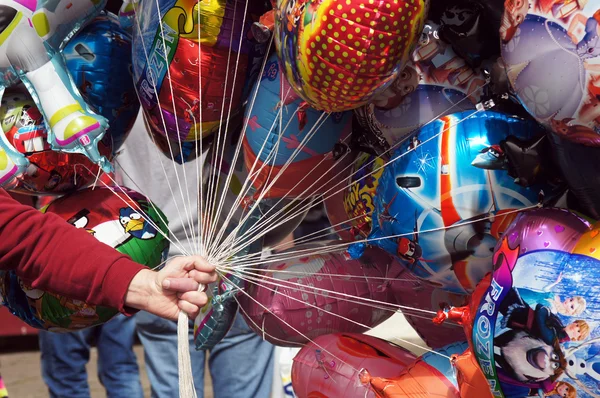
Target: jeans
241,366
64,356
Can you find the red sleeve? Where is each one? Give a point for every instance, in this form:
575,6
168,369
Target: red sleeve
54,256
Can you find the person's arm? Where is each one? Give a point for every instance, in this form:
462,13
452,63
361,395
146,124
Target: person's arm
52,255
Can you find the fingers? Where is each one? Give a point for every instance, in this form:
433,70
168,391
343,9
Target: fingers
203,277
180,284
190,309
191,302
198,263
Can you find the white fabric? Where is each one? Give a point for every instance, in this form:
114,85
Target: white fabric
139,166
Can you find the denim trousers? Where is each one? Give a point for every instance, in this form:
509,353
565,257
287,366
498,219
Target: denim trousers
64,356
241,365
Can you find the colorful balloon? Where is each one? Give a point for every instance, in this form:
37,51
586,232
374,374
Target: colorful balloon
293,150
450,193
429,375
124,220
34,33
435,83
283,306
338,55
539,43
358,197
99,60
539,310
47,171
330,365
192,60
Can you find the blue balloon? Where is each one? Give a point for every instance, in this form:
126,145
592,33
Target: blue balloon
281,128
448,196
99,60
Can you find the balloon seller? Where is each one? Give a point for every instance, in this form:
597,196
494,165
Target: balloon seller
454,144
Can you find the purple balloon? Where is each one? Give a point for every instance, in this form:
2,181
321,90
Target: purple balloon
550,228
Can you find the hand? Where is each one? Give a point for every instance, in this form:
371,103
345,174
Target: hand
173,288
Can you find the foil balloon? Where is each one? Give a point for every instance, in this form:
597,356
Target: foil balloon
296,301
431,374
192,61
124,220
412,292
292,149
358,197
328,367
338,55
99,60
435,83
540,41
45,171
451,192
34,33
534,323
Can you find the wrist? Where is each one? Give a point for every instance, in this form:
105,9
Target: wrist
139,290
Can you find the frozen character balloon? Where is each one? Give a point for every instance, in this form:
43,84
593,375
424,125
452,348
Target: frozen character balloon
526,343
540,47
32,34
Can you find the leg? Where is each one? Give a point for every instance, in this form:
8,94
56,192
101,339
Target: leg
64,356
72,126
242,364
159,338
117,364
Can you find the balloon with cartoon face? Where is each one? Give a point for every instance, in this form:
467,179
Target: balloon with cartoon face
533,323
451,191
124,220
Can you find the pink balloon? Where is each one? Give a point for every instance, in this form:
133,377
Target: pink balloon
413,292
304,304
330,366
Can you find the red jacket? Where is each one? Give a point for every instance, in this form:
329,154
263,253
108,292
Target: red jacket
54,256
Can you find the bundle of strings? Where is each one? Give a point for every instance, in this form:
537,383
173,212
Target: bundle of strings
217,236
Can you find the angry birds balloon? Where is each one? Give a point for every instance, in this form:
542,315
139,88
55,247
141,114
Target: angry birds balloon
339,54
451,192
124,220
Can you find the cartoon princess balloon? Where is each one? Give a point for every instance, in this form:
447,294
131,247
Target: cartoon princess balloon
552,61
28,28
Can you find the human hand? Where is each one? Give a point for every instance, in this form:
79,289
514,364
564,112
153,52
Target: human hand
173,288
